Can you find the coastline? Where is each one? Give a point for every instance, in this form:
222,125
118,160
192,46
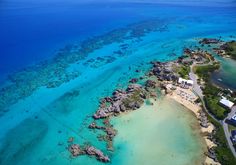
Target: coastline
166,76
155,122
205,131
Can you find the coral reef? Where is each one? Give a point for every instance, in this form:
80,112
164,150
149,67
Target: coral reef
54,72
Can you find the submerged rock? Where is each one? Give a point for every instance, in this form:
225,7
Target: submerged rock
93,125
75,150
71,139
133,80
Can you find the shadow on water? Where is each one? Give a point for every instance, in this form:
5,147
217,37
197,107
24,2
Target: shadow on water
22,141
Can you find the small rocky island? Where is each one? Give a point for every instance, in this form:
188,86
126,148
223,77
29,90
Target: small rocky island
77,150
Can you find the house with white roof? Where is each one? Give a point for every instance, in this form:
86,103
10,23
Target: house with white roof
186,82
233,118
226,103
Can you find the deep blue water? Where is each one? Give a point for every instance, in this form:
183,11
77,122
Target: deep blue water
31,31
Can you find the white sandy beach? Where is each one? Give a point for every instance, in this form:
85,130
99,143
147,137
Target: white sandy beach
195,108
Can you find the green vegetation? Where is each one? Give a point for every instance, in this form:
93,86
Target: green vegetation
224,154
231,127
183,71
230,49
210,91
205,71
214,108
211,99
134,98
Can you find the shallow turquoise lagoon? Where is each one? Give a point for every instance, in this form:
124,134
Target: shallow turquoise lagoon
159,134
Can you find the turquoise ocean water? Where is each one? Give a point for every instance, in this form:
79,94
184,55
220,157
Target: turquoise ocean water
90,50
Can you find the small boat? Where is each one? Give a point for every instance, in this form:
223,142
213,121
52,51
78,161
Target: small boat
219,79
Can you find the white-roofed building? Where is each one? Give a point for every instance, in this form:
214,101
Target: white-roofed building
184,81
227,103
233,117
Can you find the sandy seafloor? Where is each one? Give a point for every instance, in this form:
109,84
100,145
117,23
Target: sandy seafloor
36,129
162,133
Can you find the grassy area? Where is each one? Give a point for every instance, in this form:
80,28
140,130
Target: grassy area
231,128
183,71
231,49
134,98
204,71
212,104
211,97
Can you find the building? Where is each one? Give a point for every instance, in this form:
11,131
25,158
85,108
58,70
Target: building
233,136
186,82
231,121
226,103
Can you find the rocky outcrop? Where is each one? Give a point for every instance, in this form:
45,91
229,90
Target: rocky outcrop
203,119
92,151
93,125
164,71
150,84
187,51
76,150
211,154
121,101
111,132
108,129
209,41
133,80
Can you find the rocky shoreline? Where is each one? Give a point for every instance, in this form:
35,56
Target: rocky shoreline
162,75
77,150
121,101
222,48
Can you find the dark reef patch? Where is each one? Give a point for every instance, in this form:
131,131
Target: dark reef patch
54,72
99,61
63,104
21,141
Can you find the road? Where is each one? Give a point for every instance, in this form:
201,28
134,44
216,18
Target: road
197,89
